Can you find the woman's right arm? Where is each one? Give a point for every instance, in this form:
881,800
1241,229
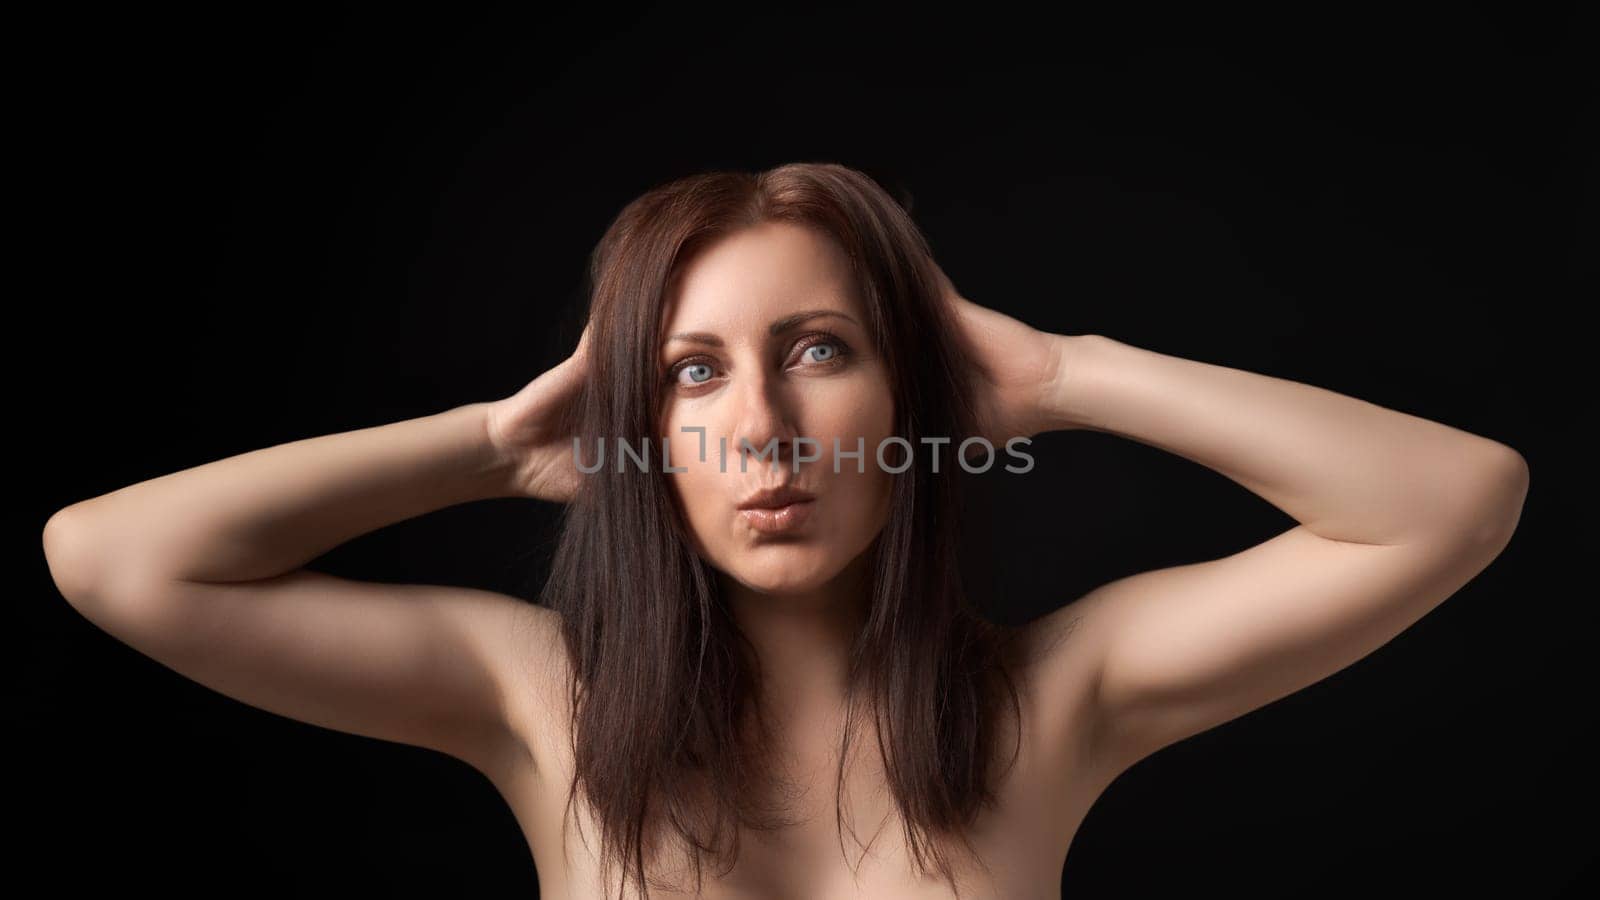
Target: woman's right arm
201,570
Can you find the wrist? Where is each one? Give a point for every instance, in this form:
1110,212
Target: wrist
1071,376
494,472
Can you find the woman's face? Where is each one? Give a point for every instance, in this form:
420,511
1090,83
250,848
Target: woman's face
765,342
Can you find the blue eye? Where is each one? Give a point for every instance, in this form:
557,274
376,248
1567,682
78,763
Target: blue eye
830,353
829,349
697,366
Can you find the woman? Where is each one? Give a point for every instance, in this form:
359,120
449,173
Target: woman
753,671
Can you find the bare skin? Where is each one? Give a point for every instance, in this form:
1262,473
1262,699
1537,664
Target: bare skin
203,571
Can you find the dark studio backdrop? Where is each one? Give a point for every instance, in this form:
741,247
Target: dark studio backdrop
276,227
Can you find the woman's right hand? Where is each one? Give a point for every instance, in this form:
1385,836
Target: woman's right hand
534,428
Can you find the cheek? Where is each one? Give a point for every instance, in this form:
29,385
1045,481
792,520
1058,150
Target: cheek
859,489
684,452
701,490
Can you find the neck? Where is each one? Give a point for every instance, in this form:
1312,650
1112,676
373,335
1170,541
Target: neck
803,639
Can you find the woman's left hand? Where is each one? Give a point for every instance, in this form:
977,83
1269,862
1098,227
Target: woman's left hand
1020,368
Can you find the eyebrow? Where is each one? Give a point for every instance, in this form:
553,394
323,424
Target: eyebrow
787,323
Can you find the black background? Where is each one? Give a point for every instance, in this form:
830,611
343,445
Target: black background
253,228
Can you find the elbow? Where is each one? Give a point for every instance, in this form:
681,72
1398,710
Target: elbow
1494,507
76,560
1509,483
102,593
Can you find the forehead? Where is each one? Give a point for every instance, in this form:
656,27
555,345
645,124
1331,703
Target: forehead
757,274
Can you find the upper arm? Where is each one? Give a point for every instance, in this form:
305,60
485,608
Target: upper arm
426,665
1172,652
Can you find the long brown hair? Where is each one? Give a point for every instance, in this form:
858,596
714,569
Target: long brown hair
666,729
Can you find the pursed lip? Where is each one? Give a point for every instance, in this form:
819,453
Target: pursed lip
775,498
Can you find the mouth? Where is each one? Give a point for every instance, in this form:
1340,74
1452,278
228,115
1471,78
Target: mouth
778,519
777,510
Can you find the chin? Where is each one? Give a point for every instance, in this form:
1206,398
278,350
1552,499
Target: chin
783,568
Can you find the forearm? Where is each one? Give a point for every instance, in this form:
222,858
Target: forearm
265,512
1345,468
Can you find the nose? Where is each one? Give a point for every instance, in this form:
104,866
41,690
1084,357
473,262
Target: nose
763,419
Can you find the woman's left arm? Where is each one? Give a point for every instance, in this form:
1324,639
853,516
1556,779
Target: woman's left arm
1395,512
